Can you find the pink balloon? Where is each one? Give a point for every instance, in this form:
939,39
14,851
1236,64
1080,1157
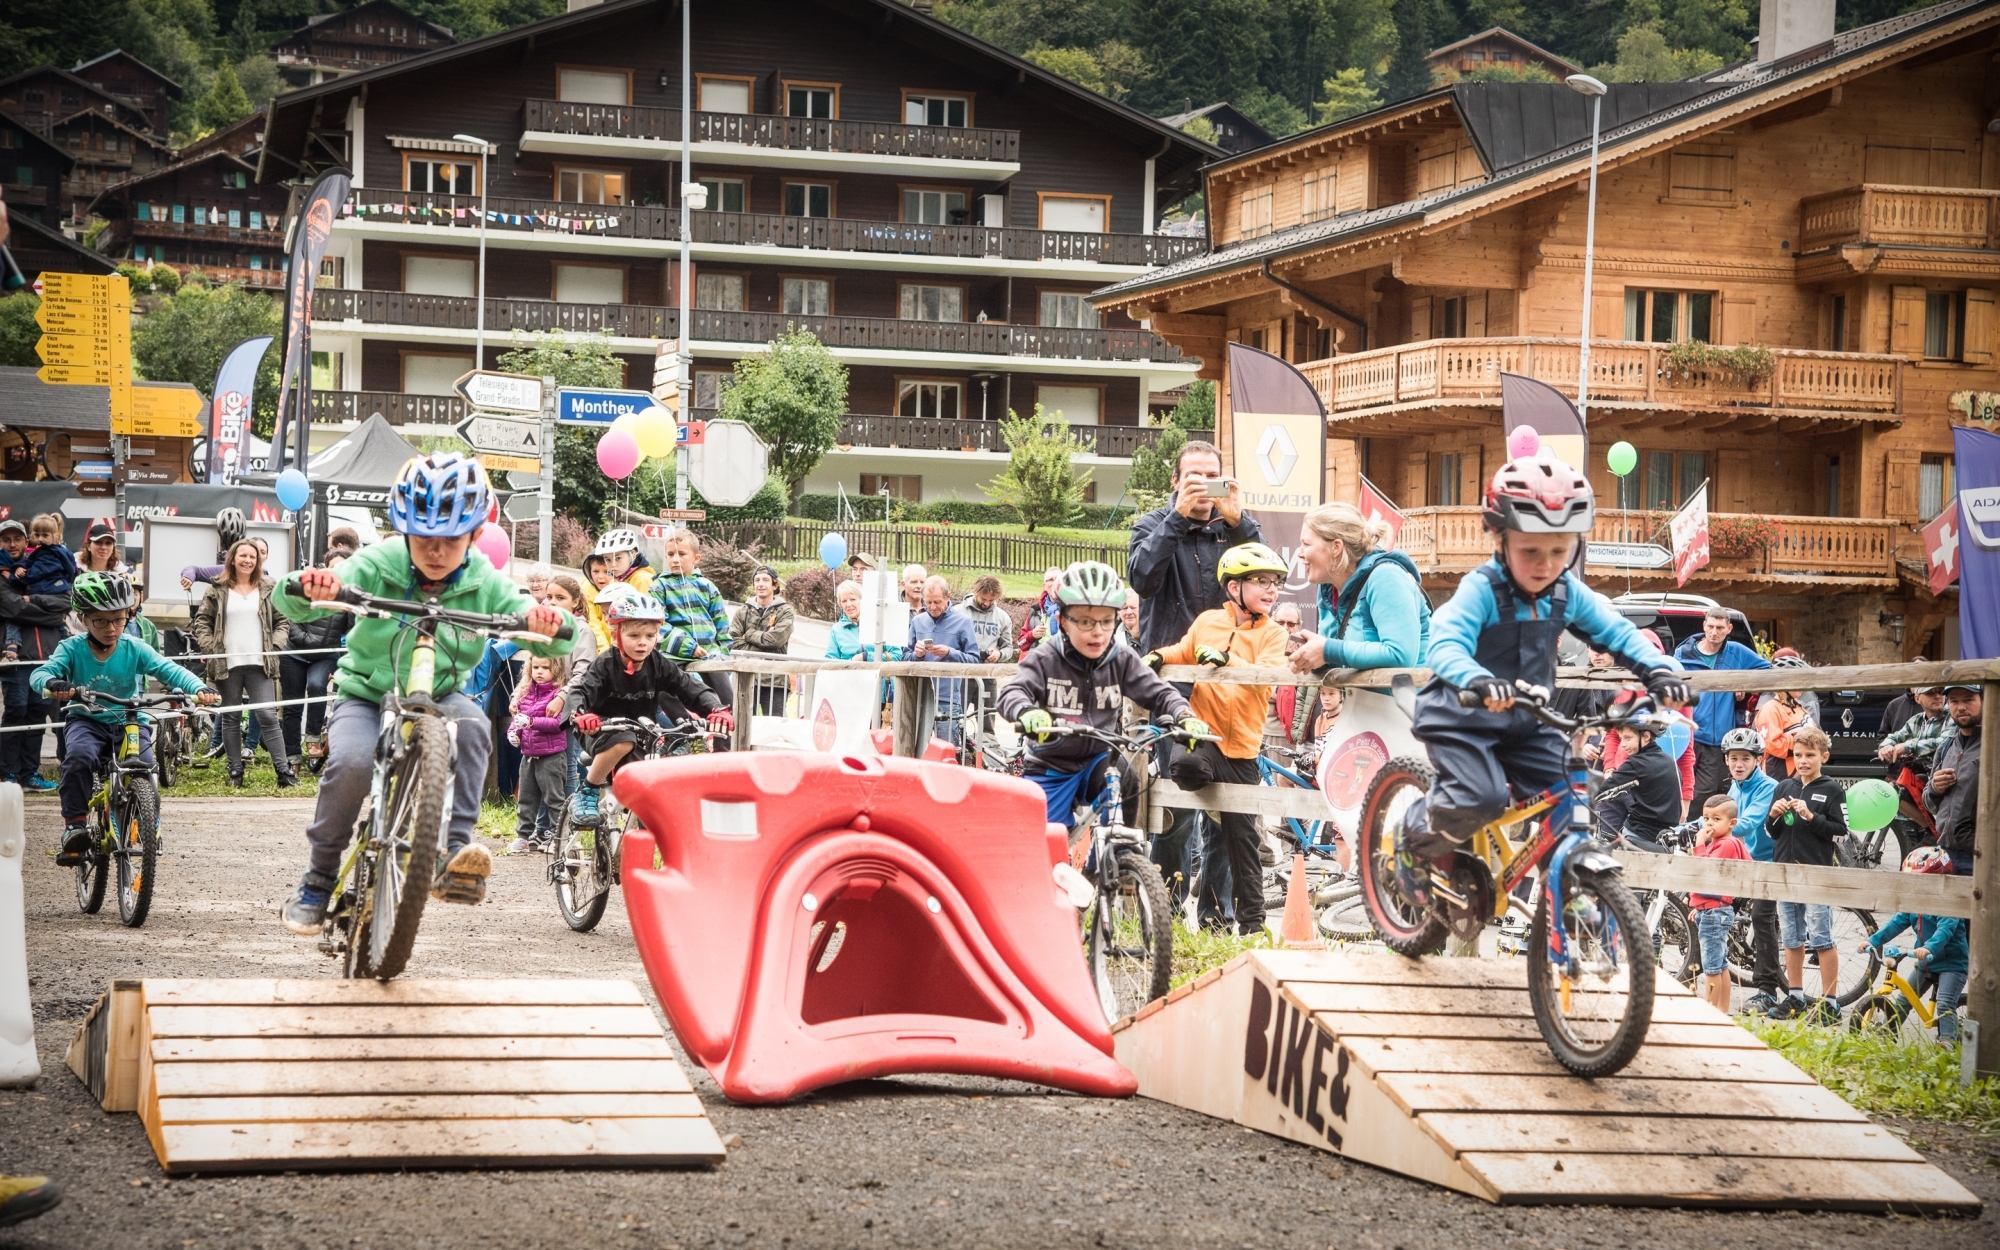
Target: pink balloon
492,541
1523,442
617,454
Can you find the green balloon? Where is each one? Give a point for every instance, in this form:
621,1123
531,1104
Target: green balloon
1871,805
1623,457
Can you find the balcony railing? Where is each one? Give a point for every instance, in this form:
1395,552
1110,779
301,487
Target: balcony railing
763,130
1619,372
1453,540
399,408
241,235
831,234
1915,216
990,338
972,434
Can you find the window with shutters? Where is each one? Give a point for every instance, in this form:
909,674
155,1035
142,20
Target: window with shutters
1318,195
1444,491
1253,212
1702,174
1919,162
1669,316
1670,478
1976,334
1936,486
1944,325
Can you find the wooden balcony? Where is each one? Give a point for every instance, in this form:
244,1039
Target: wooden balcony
829,234
241,236
1451,541
972,434
1468,370
397,407
1909,216
991,338
762,130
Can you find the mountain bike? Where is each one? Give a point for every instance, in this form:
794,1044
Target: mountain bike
1128,926
125,815
386,876
1590,966
1894,1003
584,866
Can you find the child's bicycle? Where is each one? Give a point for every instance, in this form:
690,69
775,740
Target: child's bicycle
390,866
1590,978
1894,1002
584,866
125,816
1128,929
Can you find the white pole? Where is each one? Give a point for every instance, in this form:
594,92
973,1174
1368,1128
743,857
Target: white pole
479,314
18,1062
545,508
685,326
1595,90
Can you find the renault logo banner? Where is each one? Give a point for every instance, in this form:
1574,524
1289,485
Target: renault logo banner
1278,445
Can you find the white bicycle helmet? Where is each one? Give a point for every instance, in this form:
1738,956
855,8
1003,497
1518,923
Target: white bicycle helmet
1743,739
1089,583
623,603
615,541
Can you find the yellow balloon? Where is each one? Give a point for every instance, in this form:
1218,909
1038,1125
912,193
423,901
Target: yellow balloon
628,422
655,431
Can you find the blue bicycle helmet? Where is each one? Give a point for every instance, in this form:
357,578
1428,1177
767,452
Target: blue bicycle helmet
441,495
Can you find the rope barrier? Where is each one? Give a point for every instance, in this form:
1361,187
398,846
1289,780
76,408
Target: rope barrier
219,707
217,655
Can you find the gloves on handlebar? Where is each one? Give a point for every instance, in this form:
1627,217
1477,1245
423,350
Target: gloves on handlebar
57,686
1490,688
588,722
722,721
1193,725
1036,721
1152,660
1667,686
1208,655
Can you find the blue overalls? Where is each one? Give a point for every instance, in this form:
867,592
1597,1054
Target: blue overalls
1478,754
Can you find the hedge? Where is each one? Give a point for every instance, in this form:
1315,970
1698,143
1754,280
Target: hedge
954,511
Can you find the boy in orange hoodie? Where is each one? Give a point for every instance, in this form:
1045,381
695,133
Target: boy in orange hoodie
1241,633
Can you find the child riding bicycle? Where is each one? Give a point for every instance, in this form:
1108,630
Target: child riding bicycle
1942,946
1501,626
104,658
1082,679
634,680
438,504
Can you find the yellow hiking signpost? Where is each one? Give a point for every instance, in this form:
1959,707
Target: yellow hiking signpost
86,323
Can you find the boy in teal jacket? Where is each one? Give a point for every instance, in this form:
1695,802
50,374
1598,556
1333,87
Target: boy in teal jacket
438,504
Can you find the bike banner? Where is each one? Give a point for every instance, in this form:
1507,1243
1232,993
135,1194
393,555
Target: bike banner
1690,534
1376,507
313,230
229,410
1278,444
1978,466
1941,539
1370,732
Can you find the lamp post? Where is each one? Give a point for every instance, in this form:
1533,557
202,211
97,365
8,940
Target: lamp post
693,196
479,313
1584,84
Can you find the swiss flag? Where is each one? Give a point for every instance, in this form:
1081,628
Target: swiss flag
1376,506
1941,548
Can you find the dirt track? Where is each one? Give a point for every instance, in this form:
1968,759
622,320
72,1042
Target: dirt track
919,1162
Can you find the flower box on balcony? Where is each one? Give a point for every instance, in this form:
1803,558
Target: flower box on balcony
1741,537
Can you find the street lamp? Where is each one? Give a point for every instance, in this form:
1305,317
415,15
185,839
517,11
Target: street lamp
479,315
1584,84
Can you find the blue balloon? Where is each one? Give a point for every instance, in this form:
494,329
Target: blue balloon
832,550
293,490
1675,740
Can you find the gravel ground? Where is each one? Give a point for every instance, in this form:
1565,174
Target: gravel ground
1012,1165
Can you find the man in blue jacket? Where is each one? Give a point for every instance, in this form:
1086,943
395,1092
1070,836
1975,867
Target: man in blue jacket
944,634
1715,713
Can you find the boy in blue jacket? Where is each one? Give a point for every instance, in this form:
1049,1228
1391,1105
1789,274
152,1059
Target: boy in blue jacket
1752,789
1941,943
1502,625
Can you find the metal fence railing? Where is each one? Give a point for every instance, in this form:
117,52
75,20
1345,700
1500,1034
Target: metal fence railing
939,546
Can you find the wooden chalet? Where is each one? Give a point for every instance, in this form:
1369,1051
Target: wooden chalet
135,84
207,212
107,151
1494,48
33,169
367,36
1833,208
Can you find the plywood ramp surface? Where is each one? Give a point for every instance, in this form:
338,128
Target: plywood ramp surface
251,1075
1434,1068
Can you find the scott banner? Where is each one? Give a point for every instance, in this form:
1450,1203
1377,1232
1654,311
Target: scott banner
314,228
1978,464
1278,445
229,410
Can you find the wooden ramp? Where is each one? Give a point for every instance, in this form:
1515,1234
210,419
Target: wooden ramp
247,1075
1435,1069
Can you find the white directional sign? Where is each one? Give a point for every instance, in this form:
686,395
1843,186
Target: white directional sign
1630,555
501,436
509,392
523,505
730,465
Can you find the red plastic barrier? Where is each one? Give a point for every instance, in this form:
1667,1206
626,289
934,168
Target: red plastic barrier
817,919
940,749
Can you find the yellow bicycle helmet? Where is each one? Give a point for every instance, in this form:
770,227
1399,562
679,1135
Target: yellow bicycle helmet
1247,559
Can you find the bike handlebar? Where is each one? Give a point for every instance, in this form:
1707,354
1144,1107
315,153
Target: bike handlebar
1137,739
1535,699
510,626
171,698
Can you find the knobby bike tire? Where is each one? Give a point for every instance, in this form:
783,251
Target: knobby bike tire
167,758
92,874
1131,939
415,802
1848,921
1610,1054
1677,933
574,868
1403,929
139,838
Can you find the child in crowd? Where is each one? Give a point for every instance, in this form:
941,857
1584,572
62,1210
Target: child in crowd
598,576
543,743
634,680
46,567
1941,947
1752,789
1808,816
1715,916
623,564
694,607
1641,799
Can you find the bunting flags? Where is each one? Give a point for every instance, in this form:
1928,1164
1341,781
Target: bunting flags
432,214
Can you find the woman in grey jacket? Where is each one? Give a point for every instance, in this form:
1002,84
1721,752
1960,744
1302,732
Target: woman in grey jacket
765,626
242,632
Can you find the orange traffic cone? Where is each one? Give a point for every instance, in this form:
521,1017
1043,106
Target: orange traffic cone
1298,931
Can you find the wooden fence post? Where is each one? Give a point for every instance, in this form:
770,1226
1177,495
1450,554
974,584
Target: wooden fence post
910,706
1983,1002
743,707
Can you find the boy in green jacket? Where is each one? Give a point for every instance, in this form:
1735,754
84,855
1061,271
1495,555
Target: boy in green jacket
438,504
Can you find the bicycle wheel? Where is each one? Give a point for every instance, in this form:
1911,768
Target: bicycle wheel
1856,972
138,850
581,887
167,754
93,873
1131,943
1595,1019
1405,927
395,873
1885,1011
1677,944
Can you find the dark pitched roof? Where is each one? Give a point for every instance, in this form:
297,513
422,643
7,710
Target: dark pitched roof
1252,134
163,171
27,402
148,136
1512,123
291,112
1502,31
1727,86
36,136
222,140
92,88
120,52
318,18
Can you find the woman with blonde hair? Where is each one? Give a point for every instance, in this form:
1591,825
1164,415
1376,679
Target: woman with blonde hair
1372,610
242,632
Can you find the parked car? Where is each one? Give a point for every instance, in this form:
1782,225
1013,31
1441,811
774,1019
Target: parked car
1676,618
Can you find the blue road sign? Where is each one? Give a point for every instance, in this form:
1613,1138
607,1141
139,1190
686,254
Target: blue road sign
99,470
576,405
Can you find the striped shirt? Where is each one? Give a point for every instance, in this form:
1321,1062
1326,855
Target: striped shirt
694,606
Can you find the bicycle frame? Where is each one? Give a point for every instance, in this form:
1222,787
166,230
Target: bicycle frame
1893,984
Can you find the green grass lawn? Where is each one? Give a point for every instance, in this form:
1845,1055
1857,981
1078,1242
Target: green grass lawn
1883,1075
260,780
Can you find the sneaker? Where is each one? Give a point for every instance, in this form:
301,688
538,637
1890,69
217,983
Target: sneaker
583,806
76,843
463,878
25,1197
1791,1007
40,784
304,913
1824,1011
520,846
1759,1004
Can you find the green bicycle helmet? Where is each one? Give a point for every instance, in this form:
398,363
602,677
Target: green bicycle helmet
102,592
1089,584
